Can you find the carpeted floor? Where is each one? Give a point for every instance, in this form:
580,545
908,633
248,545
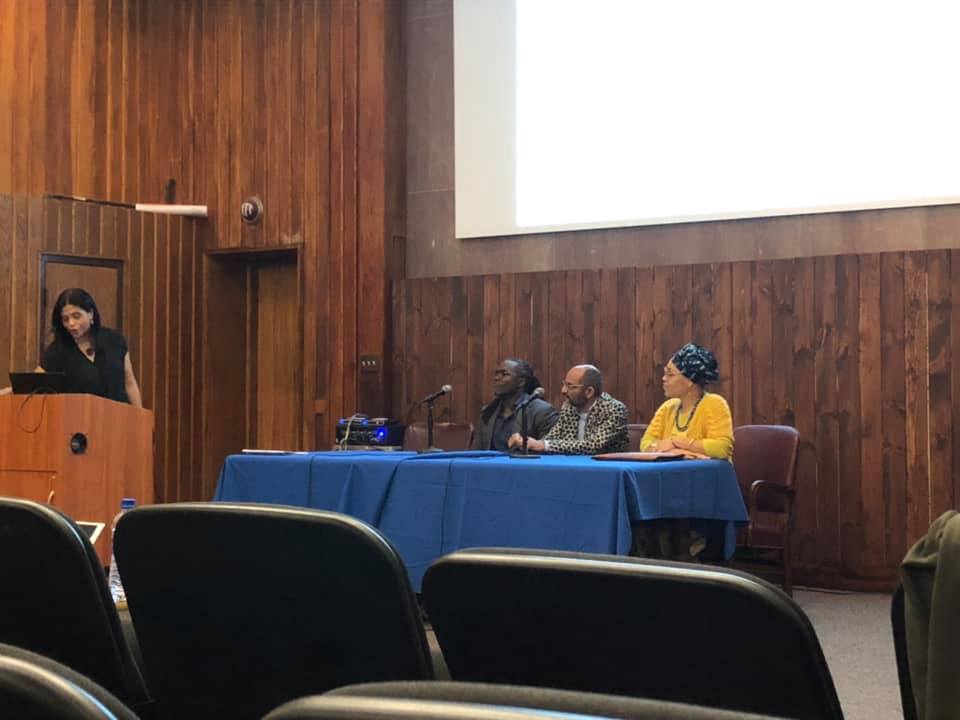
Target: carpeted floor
854,631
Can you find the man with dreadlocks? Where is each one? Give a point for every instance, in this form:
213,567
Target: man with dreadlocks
513,381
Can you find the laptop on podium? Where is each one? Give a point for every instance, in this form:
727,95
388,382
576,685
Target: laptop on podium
28,383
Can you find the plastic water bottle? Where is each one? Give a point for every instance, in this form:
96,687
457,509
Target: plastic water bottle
116,586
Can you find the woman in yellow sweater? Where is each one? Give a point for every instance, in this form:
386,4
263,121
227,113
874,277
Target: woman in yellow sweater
691,419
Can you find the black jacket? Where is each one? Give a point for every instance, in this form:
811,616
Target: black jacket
541,416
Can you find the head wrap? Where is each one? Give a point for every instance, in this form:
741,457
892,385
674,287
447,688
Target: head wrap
697,364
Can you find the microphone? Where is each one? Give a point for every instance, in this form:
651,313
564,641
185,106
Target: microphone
537,393
434,395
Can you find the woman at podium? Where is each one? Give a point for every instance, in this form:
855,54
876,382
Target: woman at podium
94,358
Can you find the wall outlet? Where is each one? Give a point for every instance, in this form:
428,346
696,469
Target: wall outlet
369,363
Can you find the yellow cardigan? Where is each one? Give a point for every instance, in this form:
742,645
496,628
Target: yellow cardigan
712,424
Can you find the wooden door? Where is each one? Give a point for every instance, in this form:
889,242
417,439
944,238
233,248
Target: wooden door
253,354
278,356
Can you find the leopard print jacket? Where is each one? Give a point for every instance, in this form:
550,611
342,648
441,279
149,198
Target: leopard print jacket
606,429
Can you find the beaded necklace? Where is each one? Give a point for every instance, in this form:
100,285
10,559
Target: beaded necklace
676,417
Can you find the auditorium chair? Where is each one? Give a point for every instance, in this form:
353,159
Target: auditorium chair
765,459
446,436
54,599
239,608
625,626
437,699
34,687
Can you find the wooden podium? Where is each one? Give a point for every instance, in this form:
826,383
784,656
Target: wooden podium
42,456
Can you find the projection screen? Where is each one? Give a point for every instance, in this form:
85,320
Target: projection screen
604,113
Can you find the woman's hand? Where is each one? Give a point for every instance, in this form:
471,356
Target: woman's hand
666,445
680,443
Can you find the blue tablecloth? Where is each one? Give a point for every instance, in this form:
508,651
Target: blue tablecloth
430,505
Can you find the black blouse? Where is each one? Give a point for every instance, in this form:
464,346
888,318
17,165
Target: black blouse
105,376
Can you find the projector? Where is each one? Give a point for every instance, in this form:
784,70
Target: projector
360,430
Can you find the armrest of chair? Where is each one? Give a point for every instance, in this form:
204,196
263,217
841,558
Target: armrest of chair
756,488
759,486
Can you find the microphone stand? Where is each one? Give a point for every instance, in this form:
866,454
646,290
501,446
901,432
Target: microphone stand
524,454
430,448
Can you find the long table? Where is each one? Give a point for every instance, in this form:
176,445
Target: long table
432,504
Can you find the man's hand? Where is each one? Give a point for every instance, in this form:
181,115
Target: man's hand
516,441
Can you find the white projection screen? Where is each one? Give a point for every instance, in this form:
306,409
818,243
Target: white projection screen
574,114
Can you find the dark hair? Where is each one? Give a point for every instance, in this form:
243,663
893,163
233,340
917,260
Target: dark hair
697,364
73,296
525,370
592,377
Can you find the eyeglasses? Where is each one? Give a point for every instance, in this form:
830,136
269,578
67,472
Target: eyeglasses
570,385
499,372
669,374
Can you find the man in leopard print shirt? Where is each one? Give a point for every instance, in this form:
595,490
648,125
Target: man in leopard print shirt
590,421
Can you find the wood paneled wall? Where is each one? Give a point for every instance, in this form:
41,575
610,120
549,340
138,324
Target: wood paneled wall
299,102
860,352
841,324
160,258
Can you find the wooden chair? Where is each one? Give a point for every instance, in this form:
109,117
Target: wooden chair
635,431
765,458
446,435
